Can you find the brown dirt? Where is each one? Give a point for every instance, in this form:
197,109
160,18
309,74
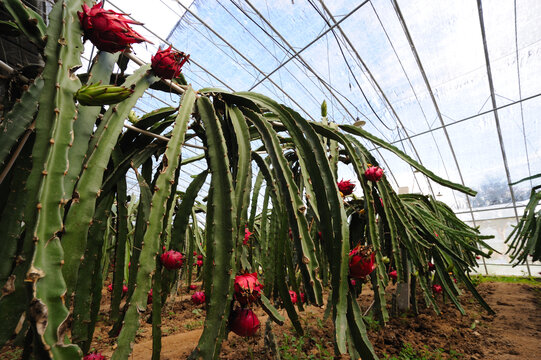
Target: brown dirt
513,333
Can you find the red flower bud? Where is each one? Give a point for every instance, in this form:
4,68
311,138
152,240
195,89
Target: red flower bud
303,298
431,267
108,30
346,187
373,173
167,64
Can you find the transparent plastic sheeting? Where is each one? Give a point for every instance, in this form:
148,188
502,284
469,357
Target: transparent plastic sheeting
418,77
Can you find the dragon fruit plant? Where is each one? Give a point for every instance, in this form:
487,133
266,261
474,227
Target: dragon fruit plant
68,214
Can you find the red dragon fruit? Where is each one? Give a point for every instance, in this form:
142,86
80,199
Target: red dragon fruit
393,275
293,296
149,297
124,289
303,298
346,187
431,267
373,173
94,356
199,257
247,288
199,263
107,30
192,287
172,259
198,297
244,322
436,289
362,261
167,63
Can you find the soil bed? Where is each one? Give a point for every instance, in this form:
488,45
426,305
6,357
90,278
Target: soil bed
512,334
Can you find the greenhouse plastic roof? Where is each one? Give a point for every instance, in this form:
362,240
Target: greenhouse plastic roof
454,84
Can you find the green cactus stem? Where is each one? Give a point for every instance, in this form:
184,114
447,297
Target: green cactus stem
28,21
88,187
88,290
221,233
162,190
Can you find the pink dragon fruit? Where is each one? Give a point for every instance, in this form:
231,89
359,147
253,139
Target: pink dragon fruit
172,259
198,297
373,173
346,187
362,261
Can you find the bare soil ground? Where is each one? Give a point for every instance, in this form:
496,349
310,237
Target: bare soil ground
514,333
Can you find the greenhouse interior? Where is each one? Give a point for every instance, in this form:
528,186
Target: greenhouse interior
254,179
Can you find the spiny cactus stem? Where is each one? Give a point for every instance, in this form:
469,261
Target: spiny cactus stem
17,152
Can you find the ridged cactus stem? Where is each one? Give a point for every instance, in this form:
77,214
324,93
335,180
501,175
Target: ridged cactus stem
13,250
88,187
120,248
143,211
101,70
53,127
151,240
157,311
18,120
220,236
29,21
88,291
